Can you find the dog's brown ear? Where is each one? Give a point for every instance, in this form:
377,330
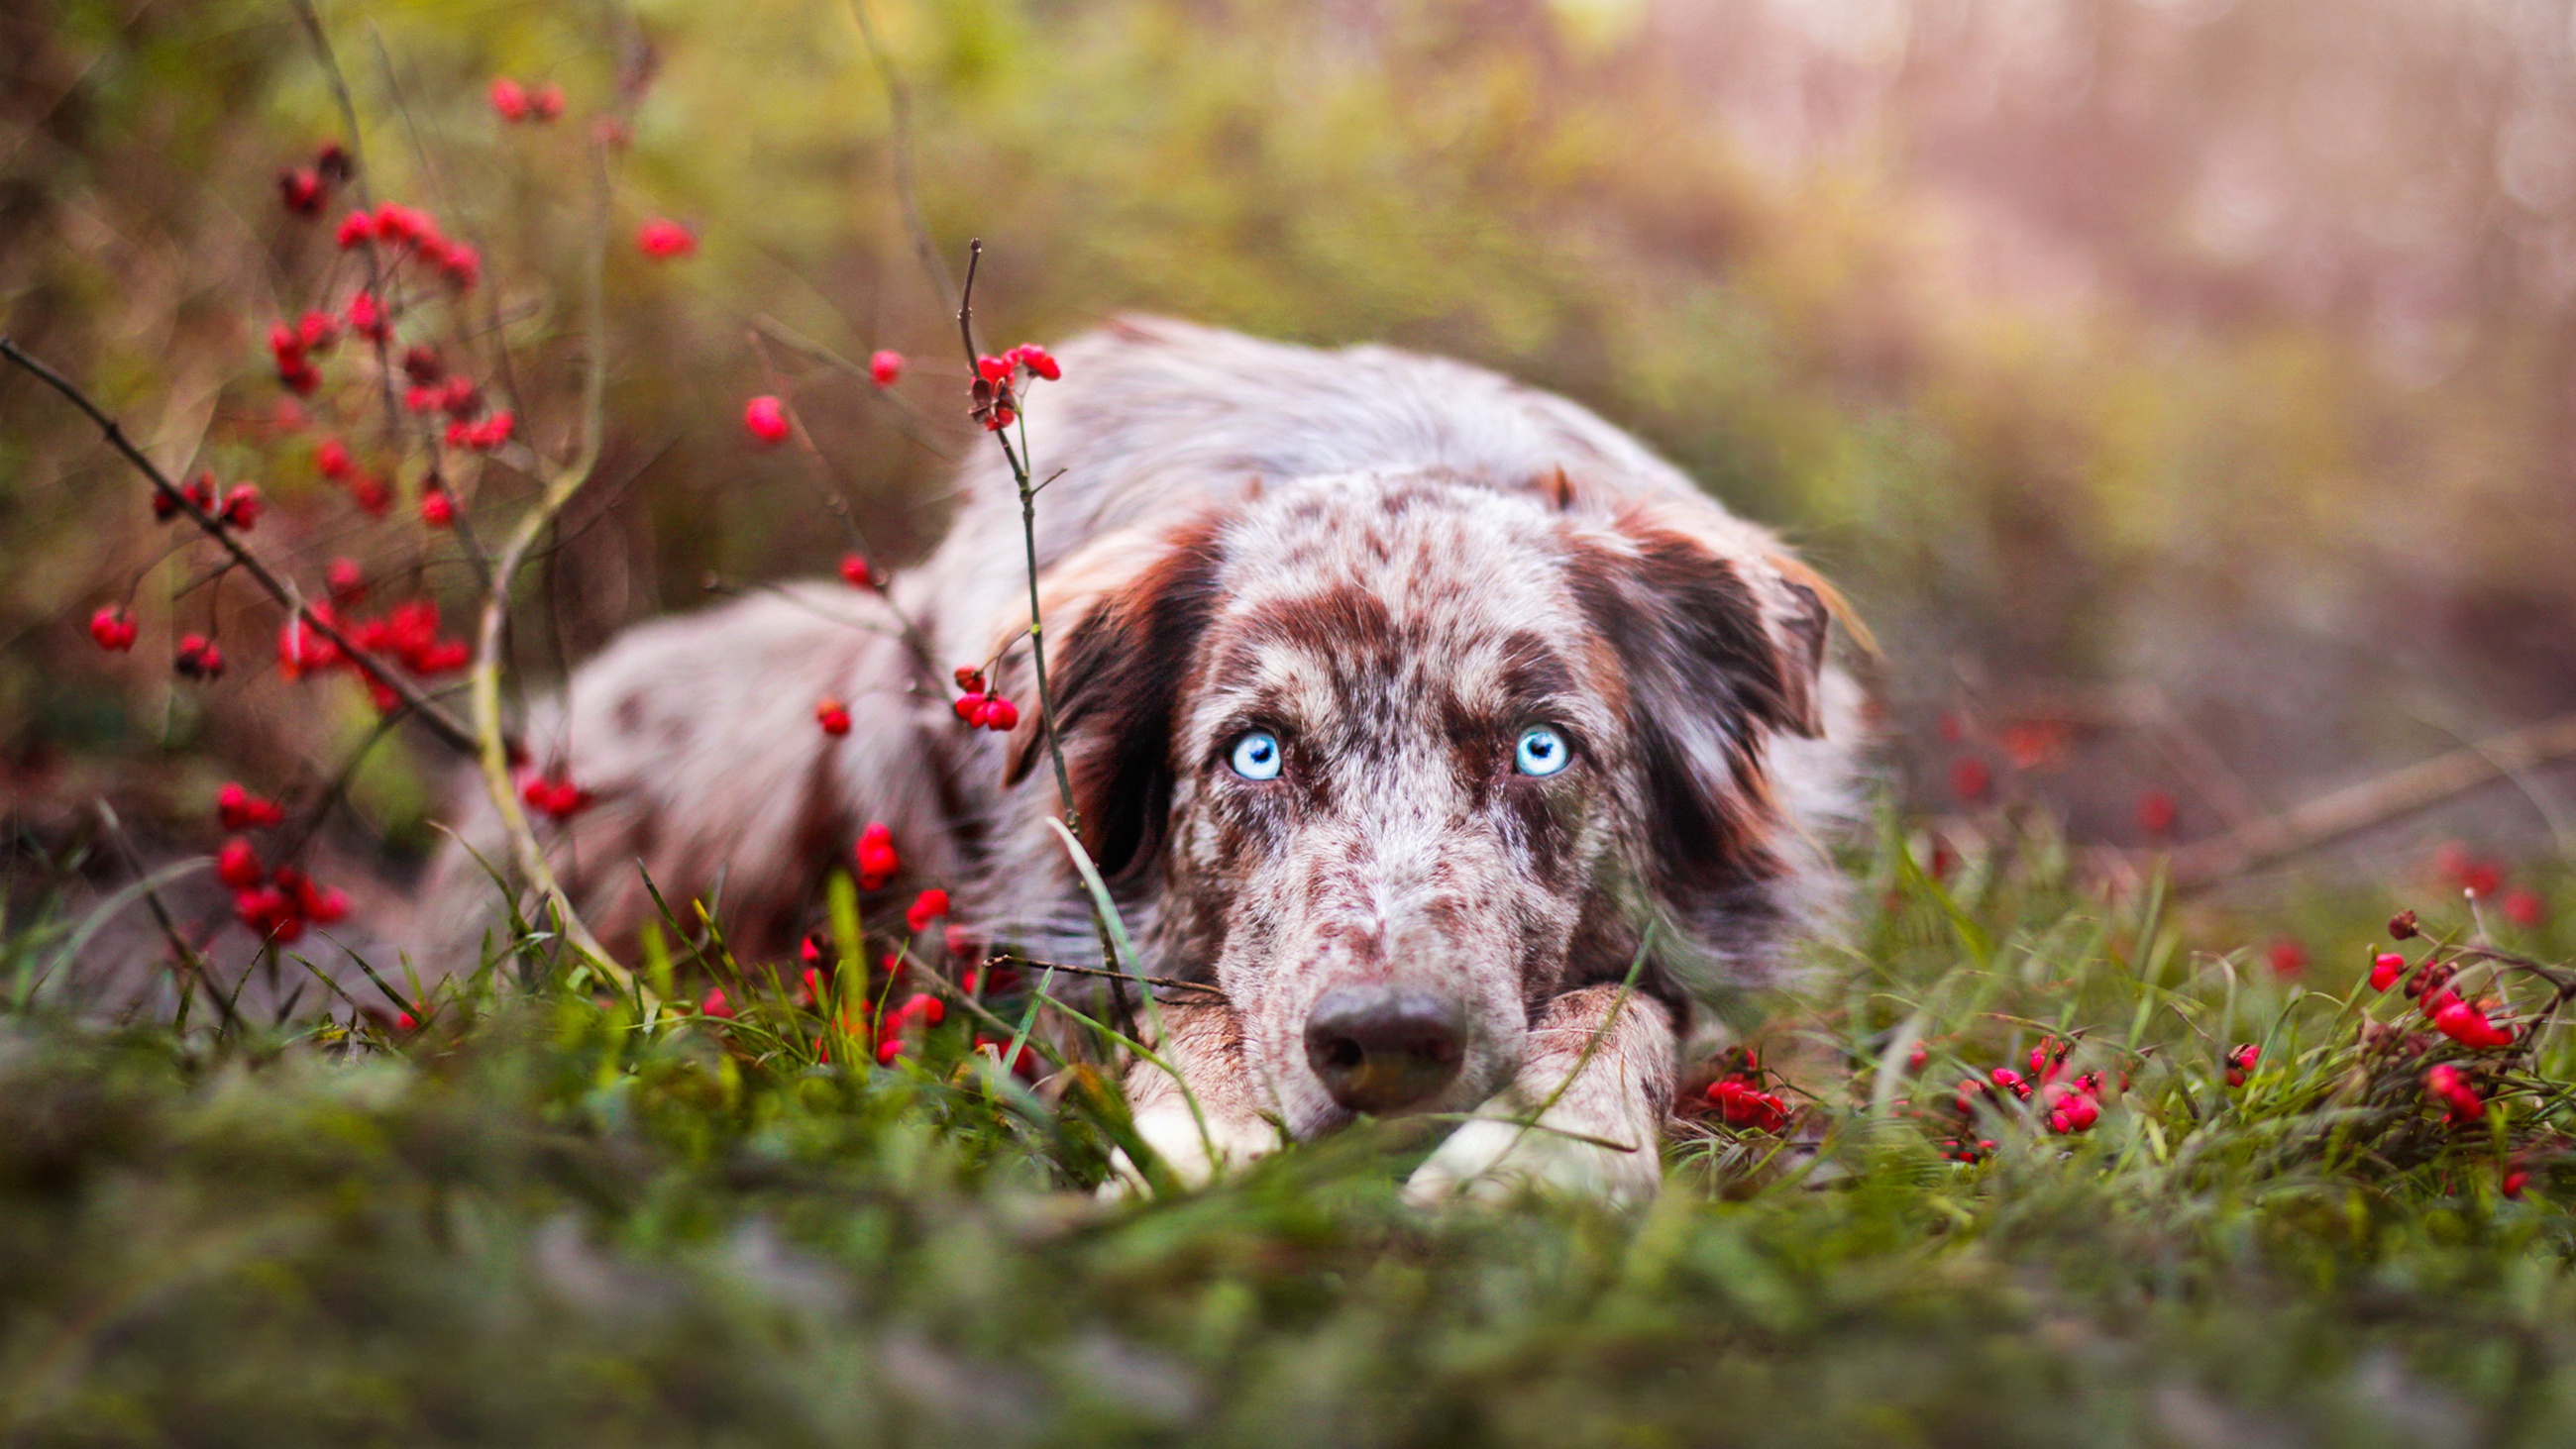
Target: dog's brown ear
1721,649
1123,618
1718,626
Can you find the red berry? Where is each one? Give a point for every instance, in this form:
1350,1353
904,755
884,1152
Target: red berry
346,580
509,99
1037,360
2515,1181
970,707
461,264
2385,968
2240,1063
237,865
2402,927
546,102
367,316
2286,957
331,459
858,573
877,859
422,364
1001,716
2525,908
437,509
765,418
113,629
716,1006
2449,1086
371,495
198,657
241,506
2157,812
663,239
884,366
993,369
2467,1025
355,228
316,331
301,190
400,224
1970,778
929,906
833,716
239,809
998,419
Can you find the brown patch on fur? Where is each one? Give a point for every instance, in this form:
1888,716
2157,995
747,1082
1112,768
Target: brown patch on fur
1117,684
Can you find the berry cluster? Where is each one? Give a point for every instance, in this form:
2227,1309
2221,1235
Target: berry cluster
554,796
980,707
273,905
997,401
877,859
305,190
512,101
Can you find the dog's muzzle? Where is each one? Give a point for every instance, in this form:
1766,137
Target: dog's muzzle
1380,1049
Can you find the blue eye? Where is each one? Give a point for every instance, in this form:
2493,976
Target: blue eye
1256,756
1542,751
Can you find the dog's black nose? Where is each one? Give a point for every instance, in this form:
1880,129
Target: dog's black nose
1381,1048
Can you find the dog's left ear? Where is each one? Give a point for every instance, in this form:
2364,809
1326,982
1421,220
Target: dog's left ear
1123,617
1724,626
1720,641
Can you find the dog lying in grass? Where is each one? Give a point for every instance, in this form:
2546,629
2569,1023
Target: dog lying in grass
1424,716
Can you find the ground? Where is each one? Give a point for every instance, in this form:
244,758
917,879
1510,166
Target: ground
545,1216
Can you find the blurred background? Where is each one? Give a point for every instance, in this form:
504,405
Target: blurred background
2185,391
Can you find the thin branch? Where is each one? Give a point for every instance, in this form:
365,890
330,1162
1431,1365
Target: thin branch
899,108
1029,542
447,727
908,417
189,958
2349,811
492,745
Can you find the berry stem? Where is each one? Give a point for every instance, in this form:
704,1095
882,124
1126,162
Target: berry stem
492,744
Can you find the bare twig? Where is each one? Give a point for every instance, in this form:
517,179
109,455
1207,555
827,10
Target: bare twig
899,108
447,727
2356,808
190,963
492,745
1029,541
907,416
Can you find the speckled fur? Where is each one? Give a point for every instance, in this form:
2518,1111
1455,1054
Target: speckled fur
1394,562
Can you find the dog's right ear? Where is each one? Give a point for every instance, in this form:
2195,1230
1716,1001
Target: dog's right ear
1123,618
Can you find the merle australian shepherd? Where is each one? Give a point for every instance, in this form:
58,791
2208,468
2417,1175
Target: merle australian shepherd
1402,705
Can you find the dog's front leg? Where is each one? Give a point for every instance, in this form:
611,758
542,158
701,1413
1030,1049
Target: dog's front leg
1204,1043
1618,1099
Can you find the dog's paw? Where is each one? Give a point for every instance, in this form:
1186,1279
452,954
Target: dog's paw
1174,1135
1490,1160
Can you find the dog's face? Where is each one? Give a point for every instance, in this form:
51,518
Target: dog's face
1396,759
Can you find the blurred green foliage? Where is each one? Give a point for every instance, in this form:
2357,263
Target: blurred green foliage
546,1217
2217,348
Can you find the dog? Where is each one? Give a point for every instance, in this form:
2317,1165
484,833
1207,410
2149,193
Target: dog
1426,718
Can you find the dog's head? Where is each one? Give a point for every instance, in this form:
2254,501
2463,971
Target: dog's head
1393,759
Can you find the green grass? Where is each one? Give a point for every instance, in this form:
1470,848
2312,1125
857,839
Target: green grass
544,1220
